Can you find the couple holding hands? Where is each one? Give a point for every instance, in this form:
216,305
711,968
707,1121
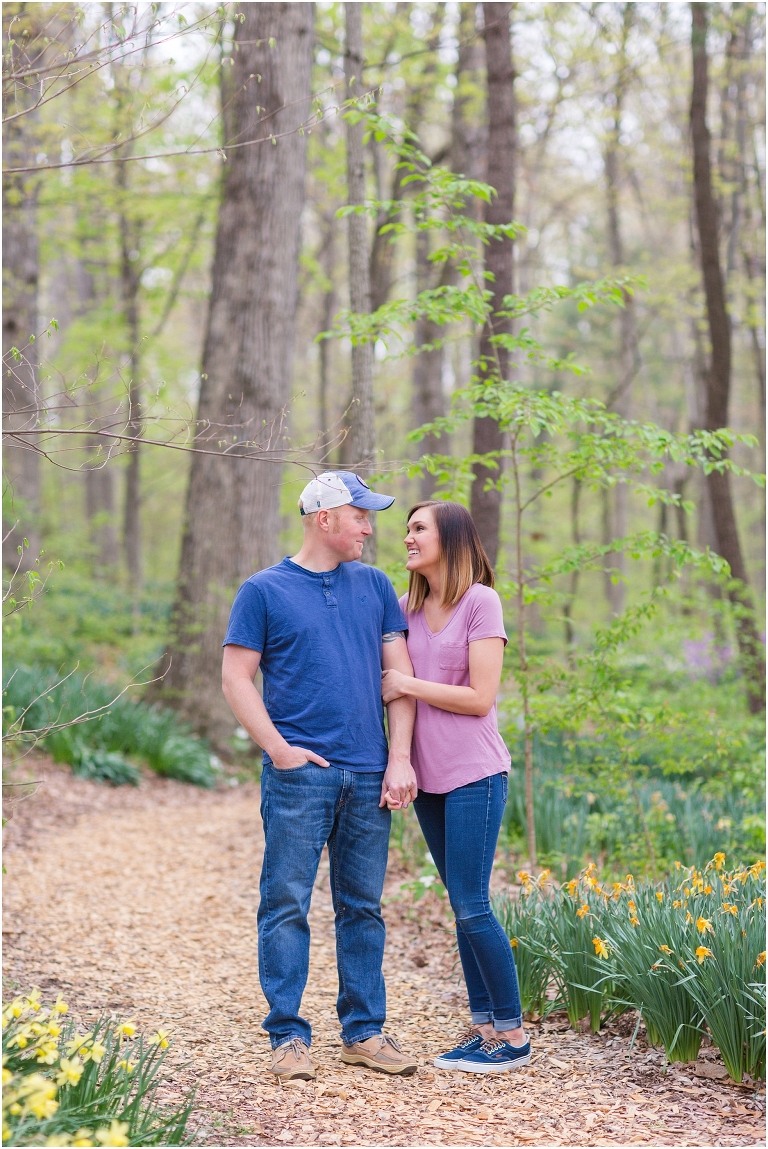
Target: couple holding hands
333,642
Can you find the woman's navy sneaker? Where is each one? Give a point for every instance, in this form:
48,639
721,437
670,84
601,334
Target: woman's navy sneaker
495,1057
468,1044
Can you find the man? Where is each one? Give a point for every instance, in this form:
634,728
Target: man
321,626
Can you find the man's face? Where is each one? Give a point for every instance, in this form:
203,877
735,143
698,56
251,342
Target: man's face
348,527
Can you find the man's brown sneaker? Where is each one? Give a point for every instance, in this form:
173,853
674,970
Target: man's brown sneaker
380,1052
290,1061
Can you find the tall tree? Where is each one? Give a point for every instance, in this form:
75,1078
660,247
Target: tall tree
487,437
616,516
362,433
232,508
23,50
718,376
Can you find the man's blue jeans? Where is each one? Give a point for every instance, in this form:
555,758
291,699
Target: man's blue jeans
302,809
461,829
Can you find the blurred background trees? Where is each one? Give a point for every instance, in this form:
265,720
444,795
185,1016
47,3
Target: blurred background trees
173,182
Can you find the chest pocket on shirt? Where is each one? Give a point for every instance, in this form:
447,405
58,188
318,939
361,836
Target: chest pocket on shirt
454,656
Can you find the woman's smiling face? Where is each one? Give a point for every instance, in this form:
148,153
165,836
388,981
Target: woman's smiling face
422,541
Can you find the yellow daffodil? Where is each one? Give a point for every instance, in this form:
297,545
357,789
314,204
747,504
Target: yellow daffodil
659,895
582,910
757,869
688,917
686,892
116,1135
53,1029
14,1109
59,1006
127,1029
97,1051
757,902
633,921
544,875
707,889
77,1043
7,1076
83,1138
41,1100
601,948
523,877
704,926
632,907
70,1071
32,1000
58,1139
760,959
665,949
729,908
719,860
160,1038
677,904
47,1053
127,1065
572,886
702,953
513,943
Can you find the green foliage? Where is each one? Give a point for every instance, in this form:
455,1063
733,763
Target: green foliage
688,954
61,1087
81,722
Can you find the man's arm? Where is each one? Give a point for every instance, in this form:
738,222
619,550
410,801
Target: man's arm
237,674
399,780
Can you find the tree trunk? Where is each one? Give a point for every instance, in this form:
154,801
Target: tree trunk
620,399
21,465
327,263
486,504
232,509
129,285
427,392
719,373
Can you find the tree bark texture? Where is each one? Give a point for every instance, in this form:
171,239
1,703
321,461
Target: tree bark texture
620,398
362,431
232,509
487,436
718,376
21,465
129,286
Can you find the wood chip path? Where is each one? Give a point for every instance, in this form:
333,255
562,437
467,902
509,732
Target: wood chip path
142,902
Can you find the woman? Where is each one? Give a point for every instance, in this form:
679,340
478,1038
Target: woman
456,642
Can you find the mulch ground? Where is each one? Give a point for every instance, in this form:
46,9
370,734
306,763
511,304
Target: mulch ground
141,902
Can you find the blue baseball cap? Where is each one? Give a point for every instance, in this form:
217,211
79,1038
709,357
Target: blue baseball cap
339,489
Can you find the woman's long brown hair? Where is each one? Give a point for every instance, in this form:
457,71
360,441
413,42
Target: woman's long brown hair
463,560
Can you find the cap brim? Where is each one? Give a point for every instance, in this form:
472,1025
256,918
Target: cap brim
370,501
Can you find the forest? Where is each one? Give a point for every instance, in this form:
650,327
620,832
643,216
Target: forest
510,254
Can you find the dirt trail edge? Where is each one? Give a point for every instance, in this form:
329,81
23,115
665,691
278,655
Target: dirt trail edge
142,903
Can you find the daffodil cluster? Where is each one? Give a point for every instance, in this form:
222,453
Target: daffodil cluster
688,954
61,1087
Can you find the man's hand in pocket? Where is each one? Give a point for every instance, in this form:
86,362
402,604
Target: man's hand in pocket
289,757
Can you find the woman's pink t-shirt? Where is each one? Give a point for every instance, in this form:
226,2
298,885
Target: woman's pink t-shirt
451,750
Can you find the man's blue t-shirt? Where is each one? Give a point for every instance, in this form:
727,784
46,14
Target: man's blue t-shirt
320,642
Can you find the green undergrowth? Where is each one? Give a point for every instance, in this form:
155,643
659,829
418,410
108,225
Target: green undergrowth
42,708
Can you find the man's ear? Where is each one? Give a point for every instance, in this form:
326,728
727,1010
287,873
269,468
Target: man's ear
322,520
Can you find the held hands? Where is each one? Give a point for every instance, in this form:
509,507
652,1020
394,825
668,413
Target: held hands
289,757
394,685
399,786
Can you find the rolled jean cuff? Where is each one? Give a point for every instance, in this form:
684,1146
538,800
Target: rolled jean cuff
484,1018
500,1025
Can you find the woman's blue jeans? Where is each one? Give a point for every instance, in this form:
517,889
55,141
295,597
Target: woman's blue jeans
302,809
461,829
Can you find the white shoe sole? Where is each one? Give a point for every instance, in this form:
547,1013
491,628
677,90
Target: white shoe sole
446,1063
504,1067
